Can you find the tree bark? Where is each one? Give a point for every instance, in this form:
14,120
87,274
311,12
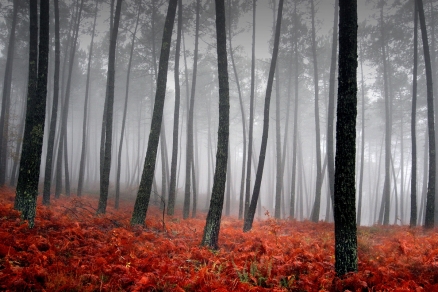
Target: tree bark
27,187
109,100
344,196
212,225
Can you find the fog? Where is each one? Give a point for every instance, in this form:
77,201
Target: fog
398,41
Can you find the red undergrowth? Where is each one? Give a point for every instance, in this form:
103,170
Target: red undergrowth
70,249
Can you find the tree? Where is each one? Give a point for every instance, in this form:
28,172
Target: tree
189,149
172,187
319,177
430,202
145,188
413,217
54,116
125,109
344,196
6,98
108,112
27,187
84,120
249,218
251,120
212,224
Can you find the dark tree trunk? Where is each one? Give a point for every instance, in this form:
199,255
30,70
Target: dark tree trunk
413,215
125,109
430,202
27,187
249,218
344,196
317,203
212,225
251,120
54,116
84,122
144,191
172,187
6,99
109,100
189,149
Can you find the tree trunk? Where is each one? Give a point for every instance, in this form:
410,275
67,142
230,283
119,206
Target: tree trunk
144,191
413,214
251,119
430,202
189,149
54,116
84,122
6,99
212,224
344,196
172,187
125,109
27,187
362,148
252,208
317,204
109,100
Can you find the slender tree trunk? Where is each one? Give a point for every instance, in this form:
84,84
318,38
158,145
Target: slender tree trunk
331,104
388,126
84,122
430,203
125,109
172,187
317,204
6,98
189,147
109,100
144,191
252,208
242,113
362,148
295,130
251,119
212,225
413,215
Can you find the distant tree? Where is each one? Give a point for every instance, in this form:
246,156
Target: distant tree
145,188
189,146
212,224
331,104
125,108
6,98
27,187
172,187
54,116
85,117
344,196
249,218
243,211
413,215
108,112
319,177
430,202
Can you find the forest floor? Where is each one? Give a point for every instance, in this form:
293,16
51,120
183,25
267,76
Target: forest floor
70,249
